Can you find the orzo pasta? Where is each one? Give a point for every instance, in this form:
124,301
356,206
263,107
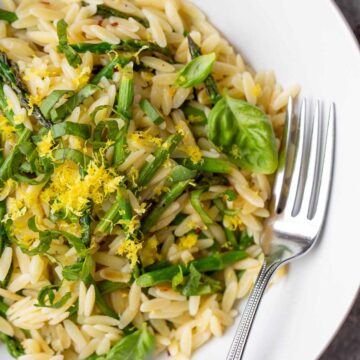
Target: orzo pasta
137,150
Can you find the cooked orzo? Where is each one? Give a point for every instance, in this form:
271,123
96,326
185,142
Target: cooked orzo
136,157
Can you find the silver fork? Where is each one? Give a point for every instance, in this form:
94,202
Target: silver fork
299,203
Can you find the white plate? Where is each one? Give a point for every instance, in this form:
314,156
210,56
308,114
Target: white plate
304,41
308,42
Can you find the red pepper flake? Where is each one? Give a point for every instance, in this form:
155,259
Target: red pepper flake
114,24
197,231
100,22
116,69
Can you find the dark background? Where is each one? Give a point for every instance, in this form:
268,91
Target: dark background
346,345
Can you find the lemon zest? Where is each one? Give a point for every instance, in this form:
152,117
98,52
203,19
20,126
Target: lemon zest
129,248
188,241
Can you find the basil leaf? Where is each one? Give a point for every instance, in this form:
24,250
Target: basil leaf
245,240
108,70
103,305
85,221
71,55
193,282
75,100
47,293
245,134
13,345
72,272
8,16
71,128
107,286
74,155
79,271
51,100
47,236
196,71
136,346
199,284
181,173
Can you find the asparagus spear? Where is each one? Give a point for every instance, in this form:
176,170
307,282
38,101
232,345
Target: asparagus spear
160,156
218,166
120,209
209,82
151,112
9,73
71,55
167,198
124,108
107,11
108,70
126,45
214,262
196,204
8,16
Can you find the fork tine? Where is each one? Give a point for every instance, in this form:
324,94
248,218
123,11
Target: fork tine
326,173
284,155
296,174
314,164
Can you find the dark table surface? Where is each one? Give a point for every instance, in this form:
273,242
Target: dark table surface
346,344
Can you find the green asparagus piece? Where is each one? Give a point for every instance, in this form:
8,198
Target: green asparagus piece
9,73
151,112
127,45
8,16
102,304
107,11
13,345
124,109
108,70
210,83
218,166
214,262
196,204
166,199
160,156
107,287
121,209
71,55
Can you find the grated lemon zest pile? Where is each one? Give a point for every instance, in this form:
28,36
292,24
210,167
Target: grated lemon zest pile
44,146
7,130
132,225
149,253
232,222
15,209
144,138
129,248
82,78
188,241
69,192
194,153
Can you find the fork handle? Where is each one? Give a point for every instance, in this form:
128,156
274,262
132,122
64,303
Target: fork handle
247,319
